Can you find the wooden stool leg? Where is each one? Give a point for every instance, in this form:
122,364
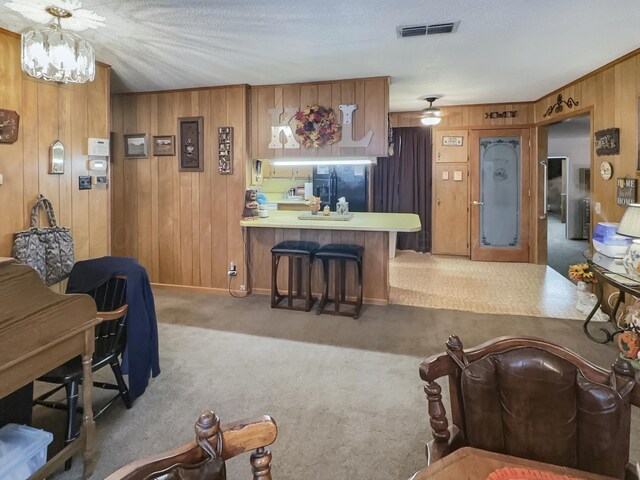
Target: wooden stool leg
291,261
298,261
359,297
274,278
343,280
337,286
308,297
325,286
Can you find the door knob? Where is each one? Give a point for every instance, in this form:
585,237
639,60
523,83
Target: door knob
475,202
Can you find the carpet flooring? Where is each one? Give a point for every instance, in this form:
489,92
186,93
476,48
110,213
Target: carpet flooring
345,393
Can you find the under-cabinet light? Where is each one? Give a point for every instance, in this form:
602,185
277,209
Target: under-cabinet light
322,161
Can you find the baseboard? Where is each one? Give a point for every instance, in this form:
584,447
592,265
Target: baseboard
215,291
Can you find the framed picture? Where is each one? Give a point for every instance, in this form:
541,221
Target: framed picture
191,141
607,141
164,145
135,145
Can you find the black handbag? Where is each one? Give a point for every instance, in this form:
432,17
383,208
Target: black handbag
48,250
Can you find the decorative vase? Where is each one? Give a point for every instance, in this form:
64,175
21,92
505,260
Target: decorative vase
629,344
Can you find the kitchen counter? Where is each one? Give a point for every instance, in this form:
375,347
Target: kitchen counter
376,232
361,221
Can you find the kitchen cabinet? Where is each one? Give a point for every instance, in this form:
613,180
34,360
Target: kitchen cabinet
450,146
277,171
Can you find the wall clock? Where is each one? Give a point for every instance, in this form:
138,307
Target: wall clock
9,122
606,170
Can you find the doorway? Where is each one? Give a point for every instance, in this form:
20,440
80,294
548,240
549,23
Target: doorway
568,191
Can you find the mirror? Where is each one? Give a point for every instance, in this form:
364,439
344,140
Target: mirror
56,160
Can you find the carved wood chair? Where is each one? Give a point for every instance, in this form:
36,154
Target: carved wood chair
110,341
189,461
532,399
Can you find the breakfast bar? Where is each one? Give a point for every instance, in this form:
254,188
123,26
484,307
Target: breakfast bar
376,232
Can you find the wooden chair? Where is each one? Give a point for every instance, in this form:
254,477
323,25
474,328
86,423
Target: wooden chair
110,341
532,399
228,441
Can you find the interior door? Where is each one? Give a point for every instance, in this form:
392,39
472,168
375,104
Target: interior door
500,195
450,209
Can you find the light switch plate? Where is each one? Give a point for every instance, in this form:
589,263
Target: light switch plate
457,176
445,175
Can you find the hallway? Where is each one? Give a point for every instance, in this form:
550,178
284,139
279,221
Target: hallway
562,252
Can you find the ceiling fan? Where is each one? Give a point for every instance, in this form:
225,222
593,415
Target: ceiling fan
430,115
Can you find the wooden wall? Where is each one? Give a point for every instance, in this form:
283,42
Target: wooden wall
182,226
610,95
49,111
370,94
470,116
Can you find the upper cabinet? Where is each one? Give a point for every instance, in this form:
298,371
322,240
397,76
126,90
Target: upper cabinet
275,106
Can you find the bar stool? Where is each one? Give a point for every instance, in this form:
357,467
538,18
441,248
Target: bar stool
296,251
340,253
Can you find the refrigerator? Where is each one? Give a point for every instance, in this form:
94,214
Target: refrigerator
331,182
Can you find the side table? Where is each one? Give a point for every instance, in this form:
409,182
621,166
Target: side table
613,272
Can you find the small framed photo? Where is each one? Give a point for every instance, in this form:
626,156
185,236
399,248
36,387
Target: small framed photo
135,145
164,145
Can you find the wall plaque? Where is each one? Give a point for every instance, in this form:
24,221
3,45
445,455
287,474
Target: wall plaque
191,144
607,141
626,191
452,141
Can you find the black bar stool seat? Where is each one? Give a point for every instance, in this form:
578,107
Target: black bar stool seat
296,251
340,253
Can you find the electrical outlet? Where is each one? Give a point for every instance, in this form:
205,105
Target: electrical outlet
232,269
243,288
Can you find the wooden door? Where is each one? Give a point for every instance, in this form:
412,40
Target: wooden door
450,209
500,195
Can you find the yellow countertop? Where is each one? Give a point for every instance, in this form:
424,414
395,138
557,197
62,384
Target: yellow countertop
361,221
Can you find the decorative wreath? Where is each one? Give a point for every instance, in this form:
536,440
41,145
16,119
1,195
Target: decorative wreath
315,127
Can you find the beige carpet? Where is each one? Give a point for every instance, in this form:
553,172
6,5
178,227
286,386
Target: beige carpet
435,281
345,393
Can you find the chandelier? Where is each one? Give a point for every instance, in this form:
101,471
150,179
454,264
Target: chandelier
57,55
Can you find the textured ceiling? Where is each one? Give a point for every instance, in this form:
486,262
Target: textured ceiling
504,50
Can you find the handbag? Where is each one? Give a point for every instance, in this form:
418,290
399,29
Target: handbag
48,250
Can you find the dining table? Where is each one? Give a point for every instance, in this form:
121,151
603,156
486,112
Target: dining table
469,463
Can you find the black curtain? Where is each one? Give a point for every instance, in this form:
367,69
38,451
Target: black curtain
402,183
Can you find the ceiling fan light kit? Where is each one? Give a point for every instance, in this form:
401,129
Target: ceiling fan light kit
56,55
431,115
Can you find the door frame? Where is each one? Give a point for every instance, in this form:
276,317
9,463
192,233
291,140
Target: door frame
500,254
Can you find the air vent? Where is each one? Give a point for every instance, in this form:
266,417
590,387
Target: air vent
442,28
411,31
420,30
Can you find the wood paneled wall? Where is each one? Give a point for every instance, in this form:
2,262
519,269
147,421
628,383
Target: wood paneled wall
182,226
470,116
610,95
370,94
48,112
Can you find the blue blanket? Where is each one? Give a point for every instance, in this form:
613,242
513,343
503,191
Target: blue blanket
140,359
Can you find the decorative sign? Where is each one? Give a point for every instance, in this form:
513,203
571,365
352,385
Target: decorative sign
282,117
505,114
225,150
452,141
191,143
559,105
607,141
626,193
